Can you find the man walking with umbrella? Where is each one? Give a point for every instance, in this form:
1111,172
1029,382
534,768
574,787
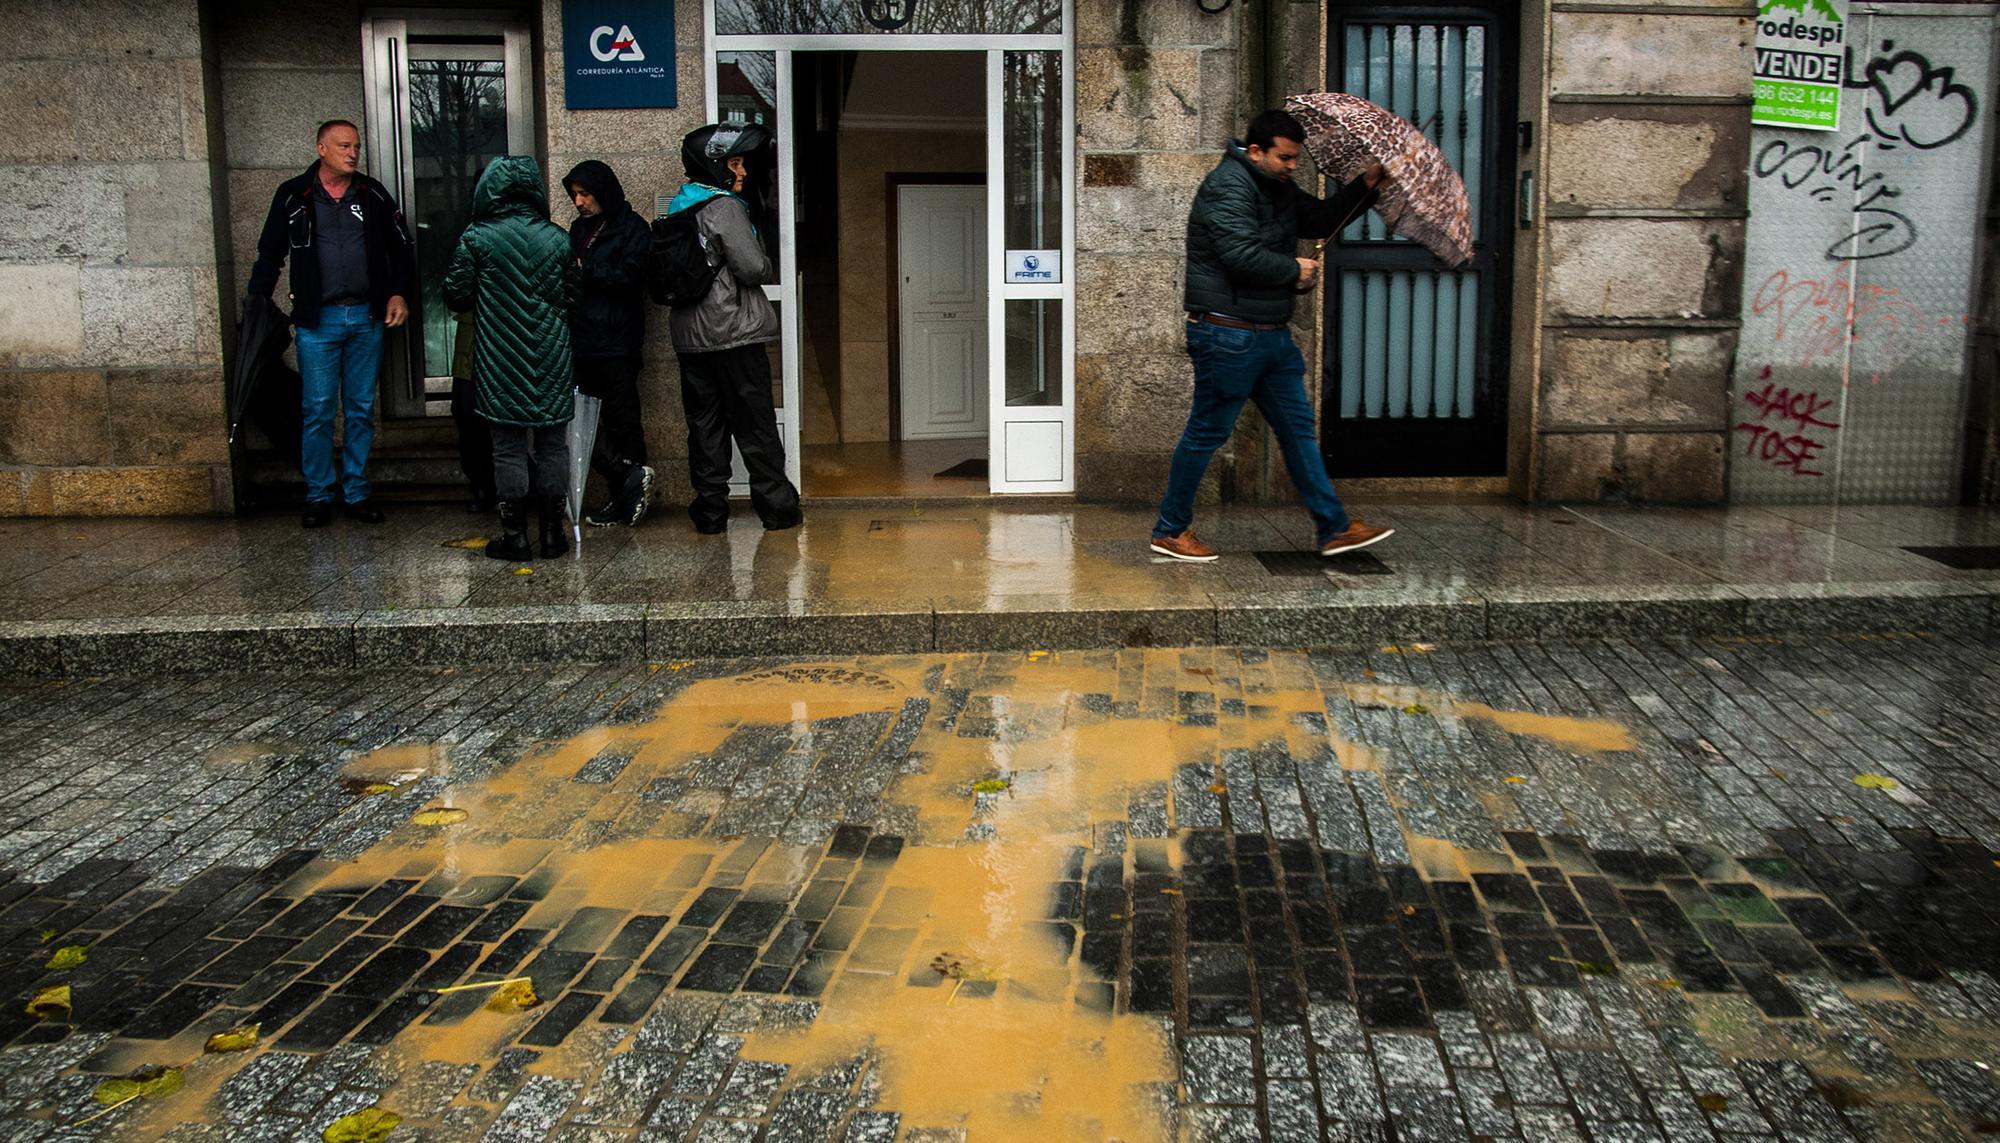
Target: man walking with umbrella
1243,272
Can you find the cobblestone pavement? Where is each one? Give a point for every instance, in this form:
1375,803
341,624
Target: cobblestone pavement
1667,890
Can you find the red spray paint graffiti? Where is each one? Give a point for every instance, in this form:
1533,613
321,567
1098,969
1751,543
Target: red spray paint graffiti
1786,444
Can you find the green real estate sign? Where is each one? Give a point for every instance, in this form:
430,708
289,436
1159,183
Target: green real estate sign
1800,47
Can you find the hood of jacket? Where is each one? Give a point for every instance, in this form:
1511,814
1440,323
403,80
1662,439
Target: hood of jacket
694,194
510,184
600,181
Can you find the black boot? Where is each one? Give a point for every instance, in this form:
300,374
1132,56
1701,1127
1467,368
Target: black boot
512,544
555,531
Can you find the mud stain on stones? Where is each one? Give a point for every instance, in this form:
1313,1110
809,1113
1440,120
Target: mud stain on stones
1577,735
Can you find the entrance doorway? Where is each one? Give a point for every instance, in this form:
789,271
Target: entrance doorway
893,251
445,96
923,228
1415,377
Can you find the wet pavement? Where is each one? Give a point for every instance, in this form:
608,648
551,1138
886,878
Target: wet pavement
85,597
1718,889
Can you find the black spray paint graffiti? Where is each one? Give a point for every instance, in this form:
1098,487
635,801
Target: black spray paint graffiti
1910,102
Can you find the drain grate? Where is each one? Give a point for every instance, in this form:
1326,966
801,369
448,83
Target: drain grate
1312,565
1965,557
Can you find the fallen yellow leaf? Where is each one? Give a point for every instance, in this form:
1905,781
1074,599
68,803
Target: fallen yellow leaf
514,996
469,543
68,956
1416,708
369,1125
48,935
1712,1101
146,1083
1875,782
439,816
1515,780
234,1040
50,1001
1218,788
524,571
990,785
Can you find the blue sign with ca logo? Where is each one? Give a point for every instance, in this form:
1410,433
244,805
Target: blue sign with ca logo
618,53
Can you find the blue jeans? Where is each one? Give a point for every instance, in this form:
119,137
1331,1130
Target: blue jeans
1232,366
340,360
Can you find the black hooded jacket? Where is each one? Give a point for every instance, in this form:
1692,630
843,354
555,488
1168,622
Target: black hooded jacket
611,248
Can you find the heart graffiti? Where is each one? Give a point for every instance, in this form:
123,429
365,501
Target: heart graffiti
1915,102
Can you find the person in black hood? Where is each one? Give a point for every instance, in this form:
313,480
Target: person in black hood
611,242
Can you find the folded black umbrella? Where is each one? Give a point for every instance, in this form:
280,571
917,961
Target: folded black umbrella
261,340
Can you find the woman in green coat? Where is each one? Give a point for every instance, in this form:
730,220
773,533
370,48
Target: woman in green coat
513,268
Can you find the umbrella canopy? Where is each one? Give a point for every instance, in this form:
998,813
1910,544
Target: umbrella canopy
1424,199
261,340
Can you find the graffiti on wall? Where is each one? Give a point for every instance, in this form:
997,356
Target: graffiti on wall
1782,433
1910,102
1857,276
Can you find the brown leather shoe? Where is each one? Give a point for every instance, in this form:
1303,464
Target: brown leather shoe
1184,547
1357,536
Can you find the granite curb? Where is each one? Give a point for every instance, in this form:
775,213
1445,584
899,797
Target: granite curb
589,633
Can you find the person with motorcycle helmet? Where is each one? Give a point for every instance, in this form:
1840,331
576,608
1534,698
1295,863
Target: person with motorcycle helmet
722,339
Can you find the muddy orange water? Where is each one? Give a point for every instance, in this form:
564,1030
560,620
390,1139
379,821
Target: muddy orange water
974,1013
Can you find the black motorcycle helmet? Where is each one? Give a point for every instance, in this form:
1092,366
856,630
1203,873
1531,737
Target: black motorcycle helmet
706,151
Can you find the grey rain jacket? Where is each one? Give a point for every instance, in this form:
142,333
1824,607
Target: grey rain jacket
735,312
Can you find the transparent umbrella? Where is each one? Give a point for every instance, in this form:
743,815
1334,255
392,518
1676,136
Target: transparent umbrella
582,438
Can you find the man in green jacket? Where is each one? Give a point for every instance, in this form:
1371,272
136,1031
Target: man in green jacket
514,270
1243,271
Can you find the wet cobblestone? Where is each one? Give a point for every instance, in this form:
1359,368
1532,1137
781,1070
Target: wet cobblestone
1377,918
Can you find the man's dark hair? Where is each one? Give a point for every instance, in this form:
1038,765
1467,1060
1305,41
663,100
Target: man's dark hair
332,123
1273,125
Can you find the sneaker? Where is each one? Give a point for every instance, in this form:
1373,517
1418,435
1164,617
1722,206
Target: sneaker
318,514
638,495
1184,547
1357,537
606,517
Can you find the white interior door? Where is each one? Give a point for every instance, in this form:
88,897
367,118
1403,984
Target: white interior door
942,347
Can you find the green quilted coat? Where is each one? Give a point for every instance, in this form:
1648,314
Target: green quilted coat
513,268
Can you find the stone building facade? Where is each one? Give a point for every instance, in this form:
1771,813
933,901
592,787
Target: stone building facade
1627,349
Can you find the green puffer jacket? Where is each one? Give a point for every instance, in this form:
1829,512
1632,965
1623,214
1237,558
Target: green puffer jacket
513,268
1243,238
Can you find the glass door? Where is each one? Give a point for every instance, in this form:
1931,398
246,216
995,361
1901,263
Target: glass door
1030,224
1415,353
444,98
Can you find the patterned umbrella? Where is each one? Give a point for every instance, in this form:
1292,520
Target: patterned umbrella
1424,199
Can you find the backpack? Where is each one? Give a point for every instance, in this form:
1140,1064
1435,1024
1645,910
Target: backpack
678,272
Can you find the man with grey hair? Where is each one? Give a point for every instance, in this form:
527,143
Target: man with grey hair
353,268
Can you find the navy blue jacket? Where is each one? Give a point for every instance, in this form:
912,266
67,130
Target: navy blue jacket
289,232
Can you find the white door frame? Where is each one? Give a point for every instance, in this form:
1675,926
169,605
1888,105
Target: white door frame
1040,423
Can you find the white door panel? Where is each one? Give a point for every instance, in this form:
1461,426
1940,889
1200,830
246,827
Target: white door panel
942,346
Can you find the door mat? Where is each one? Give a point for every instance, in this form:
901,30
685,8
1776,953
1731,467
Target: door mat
974,469
1312,564
1965,557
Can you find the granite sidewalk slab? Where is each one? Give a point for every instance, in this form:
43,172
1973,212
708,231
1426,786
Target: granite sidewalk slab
90,597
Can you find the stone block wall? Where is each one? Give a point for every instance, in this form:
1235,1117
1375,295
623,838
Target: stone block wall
1640,255
1160,90
111,385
